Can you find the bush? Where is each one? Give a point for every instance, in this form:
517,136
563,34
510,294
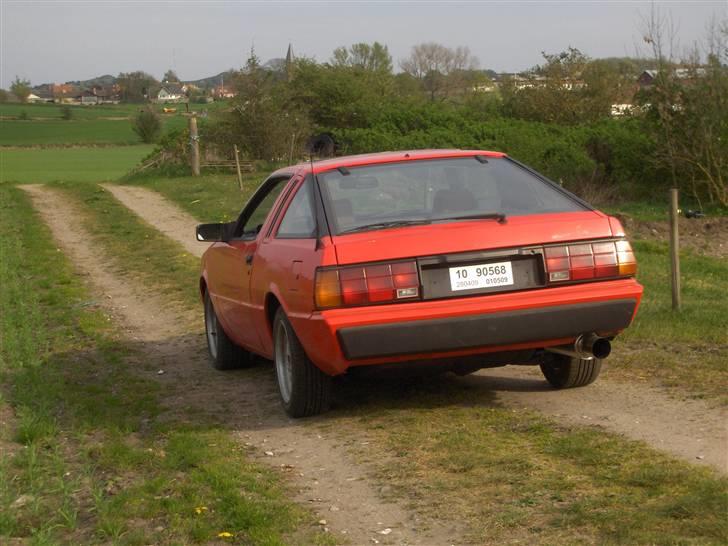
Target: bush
147,124
66,113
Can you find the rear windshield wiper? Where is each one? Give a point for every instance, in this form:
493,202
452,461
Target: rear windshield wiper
483,216
384,225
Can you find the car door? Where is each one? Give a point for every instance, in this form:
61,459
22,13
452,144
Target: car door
286,260
230,265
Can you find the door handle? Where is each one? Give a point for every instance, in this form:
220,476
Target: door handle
248,259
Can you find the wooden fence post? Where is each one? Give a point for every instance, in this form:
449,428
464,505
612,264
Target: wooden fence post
195,143
237,166
674,250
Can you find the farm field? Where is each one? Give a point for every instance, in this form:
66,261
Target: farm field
77,163
97,125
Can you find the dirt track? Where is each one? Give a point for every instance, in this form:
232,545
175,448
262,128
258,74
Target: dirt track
688,429
245,401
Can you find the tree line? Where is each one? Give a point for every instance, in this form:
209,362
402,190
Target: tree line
556,117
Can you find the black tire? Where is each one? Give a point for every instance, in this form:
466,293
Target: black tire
304,389
565,372
224,354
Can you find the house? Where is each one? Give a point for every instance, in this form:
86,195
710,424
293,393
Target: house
41,93
171,92
686,75
223,92
88,97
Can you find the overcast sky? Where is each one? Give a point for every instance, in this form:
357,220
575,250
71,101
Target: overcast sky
61,41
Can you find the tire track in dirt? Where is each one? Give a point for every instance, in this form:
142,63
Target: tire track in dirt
688,429
245,401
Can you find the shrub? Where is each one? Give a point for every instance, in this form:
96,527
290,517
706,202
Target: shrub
66,113
147,124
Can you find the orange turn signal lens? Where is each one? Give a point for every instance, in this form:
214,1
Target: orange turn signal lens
327,289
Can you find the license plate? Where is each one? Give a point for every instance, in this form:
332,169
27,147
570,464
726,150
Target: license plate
472,277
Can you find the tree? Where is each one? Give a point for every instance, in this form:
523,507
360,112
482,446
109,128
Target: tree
568,88
170,76
264,120
441,70
373,58
147,125
135,86
687,110
20,88
4,96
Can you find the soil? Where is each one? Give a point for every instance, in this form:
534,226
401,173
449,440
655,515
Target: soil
321,471
707,236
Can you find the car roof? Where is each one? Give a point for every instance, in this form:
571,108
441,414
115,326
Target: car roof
385,157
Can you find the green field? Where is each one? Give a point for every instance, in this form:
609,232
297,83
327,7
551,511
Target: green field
82,163
98,125
55,111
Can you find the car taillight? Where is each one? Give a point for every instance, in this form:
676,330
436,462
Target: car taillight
585,261
366,284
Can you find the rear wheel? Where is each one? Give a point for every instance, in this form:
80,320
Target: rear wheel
305,390
224,353
564,372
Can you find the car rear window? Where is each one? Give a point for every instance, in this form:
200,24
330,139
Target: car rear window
437,190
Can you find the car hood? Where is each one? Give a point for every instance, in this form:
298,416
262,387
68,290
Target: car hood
469,235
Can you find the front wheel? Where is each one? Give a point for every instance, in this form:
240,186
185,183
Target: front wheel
224,353
305,390
565,372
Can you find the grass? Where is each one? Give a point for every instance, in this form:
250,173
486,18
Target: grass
446,447
98,125
210,198
61,132
81,164
54,111
515,477
119,230
87,457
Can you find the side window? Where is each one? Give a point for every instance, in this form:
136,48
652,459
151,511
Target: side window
260,212
299,221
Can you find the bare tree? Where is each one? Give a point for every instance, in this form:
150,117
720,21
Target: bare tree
688,110
440,69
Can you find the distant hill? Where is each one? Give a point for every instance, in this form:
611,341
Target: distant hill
105,80
213,81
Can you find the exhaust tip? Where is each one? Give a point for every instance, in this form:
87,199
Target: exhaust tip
601,348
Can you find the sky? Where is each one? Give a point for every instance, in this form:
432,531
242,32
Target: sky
58,41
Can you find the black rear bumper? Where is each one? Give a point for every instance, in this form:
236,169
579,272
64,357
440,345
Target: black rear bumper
491,329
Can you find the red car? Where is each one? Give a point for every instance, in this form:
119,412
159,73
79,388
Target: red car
452,259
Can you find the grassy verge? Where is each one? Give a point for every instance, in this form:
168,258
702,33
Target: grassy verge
210,198
82,164
84,458
446,448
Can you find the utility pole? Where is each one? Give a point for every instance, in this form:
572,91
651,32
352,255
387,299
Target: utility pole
195,145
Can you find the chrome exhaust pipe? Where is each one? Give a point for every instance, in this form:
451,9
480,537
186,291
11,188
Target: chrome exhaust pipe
586,346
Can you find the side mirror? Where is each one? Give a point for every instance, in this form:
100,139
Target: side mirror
215,232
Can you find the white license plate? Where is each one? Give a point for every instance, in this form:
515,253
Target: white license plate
472,277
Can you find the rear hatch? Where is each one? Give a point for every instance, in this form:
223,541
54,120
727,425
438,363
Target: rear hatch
461,258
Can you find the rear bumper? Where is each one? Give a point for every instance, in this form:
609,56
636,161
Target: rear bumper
340,338
488,329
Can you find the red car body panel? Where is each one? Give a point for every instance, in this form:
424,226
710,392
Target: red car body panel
282,272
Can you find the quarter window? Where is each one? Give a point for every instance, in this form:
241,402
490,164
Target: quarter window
260,211
299,221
